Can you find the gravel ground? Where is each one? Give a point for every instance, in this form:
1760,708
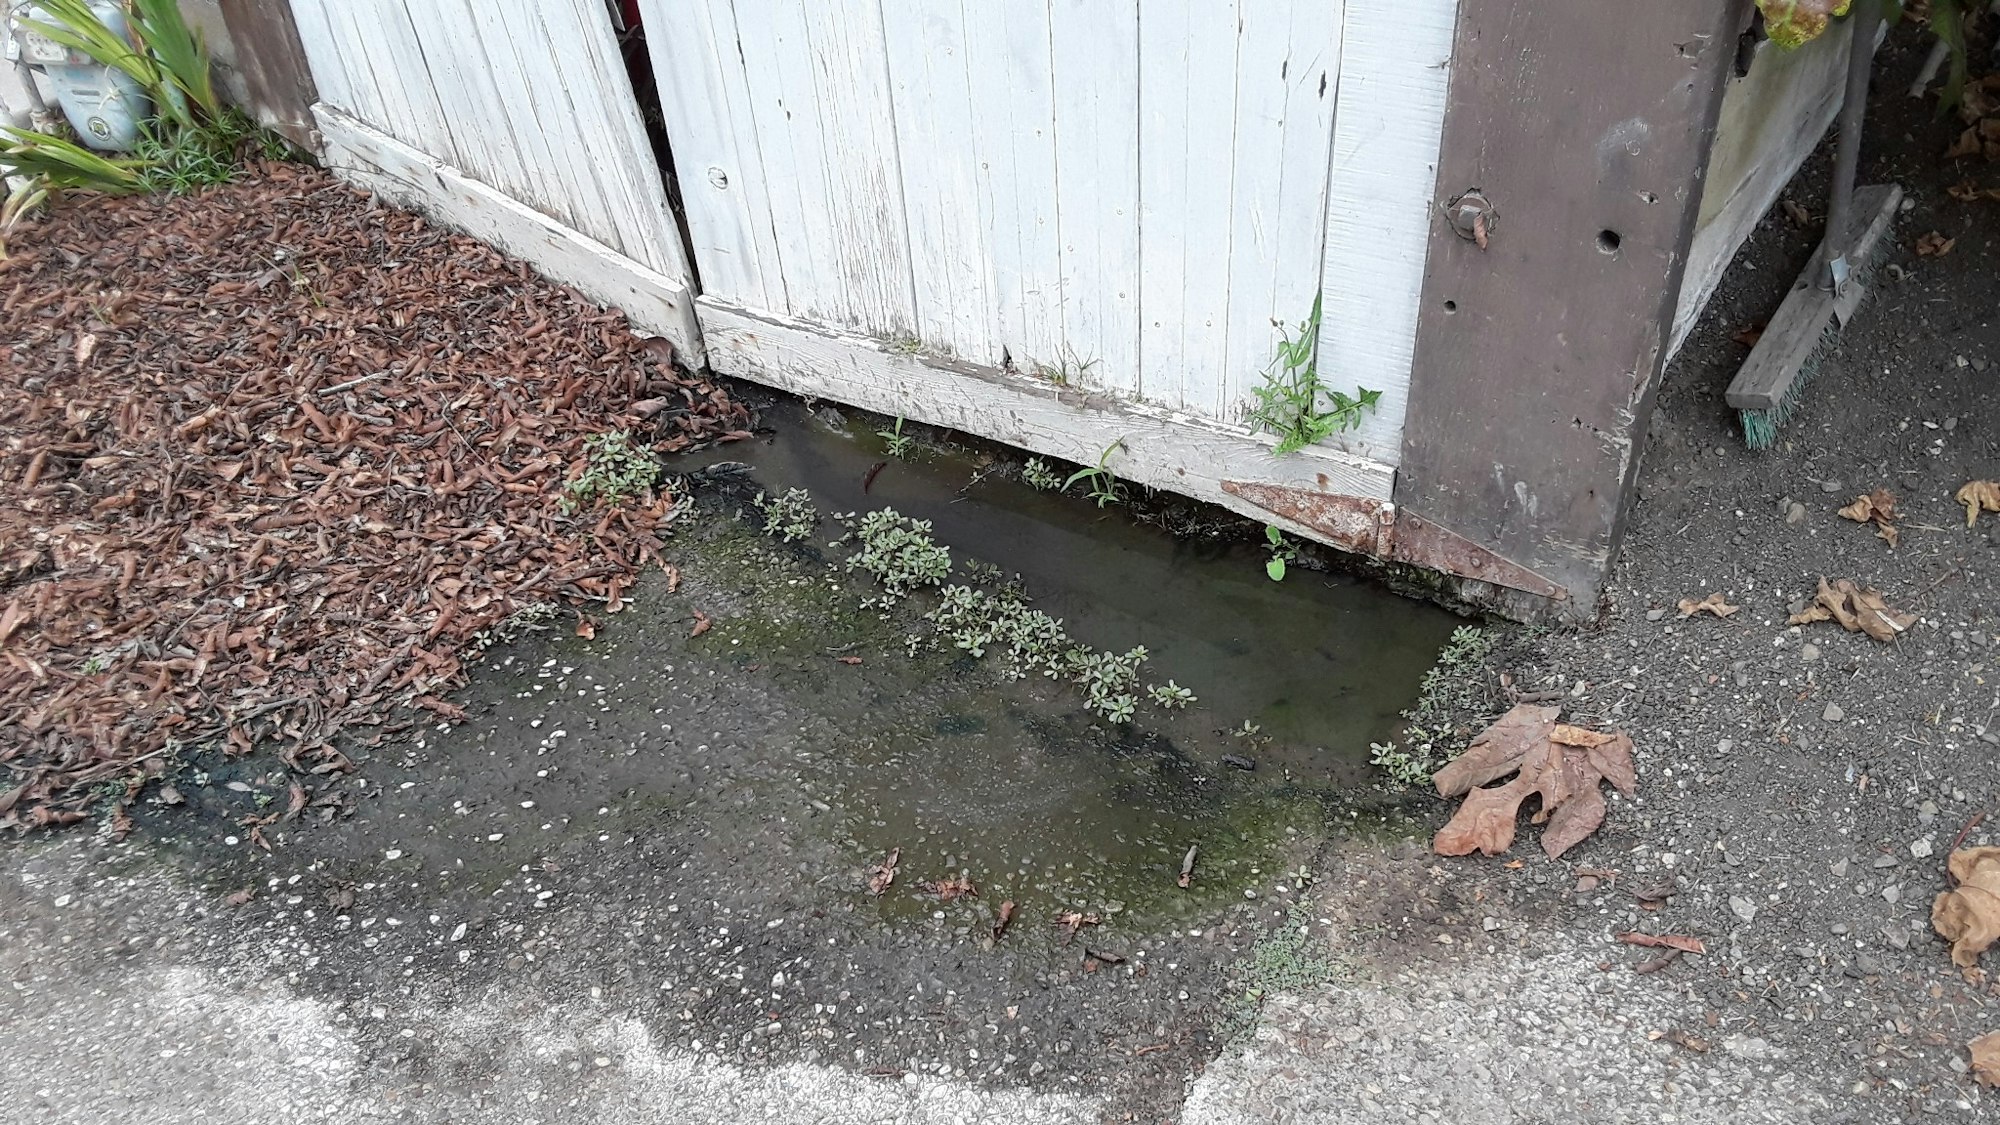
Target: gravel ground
1798,789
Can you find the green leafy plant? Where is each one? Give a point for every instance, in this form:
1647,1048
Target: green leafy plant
898,551
59,162
1037,474
1434,729
1282,551
23,198
1294,404
1105,487
790,517
1794,23
189,139
1028,642
894,443
614,470
1067,370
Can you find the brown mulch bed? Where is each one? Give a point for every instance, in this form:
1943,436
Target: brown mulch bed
270,456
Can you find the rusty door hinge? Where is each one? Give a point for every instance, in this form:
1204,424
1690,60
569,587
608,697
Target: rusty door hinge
1375,527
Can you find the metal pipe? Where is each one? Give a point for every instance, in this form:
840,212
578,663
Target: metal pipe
1866,23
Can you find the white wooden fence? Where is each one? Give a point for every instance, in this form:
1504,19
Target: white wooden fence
514,120
1068,224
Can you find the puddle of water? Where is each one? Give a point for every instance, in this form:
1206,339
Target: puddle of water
1322,663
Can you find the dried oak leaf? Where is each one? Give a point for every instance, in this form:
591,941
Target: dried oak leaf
1006,919
1934,245
1714,604
1857,609
884,873
1877,507
701,624
1985,1052
1975,495
1968,915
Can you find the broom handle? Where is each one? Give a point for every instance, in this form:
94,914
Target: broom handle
1865,23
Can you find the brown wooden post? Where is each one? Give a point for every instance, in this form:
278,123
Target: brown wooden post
1576,138
272,62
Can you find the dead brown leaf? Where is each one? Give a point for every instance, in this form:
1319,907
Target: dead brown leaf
1797,213
1578,736
850,659
883,874
586,628
1092,958
1748,335
1985,1052
1968,915
1073,920
1934,245
1497,751
1715,605
1664,941
701,624
1692,1042
1187,867
673,577
1564,774
239,898
1857,609
951,888
1974,494
1006,919
1966,191
1877,507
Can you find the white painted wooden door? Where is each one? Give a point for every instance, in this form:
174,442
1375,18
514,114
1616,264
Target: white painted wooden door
514,120
1131,197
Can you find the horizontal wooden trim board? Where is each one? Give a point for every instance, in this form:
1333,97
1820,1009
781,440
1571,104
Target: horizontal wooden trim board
654,303
1163,449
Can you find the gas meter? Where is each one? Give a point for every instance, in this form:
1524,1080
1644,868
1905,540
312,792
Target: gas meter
103,104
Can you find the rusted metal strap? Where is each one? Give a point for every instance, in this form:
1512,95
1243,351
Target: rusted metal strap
1375,527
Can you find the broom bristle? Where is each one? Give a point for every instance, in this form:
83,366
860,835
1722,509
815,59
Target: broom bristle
1760,427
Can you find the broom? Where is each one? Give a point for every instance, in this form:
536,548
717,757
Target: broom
1770,385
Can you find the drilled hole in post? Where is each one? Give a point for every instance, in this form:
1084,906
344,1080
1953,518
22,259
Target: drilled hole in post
1607,241
1451,306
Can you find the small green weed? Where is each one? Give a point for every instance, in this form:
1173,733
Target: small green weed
894,443
898,551
1036,474
97,662
1067,370
1282,551
1288,959
790,517
616,470
1294,404
1105,487
1450,690
1028,642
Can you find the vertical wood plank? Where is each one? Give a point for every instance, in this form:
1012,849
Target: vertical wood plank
1013,117
520,77
276,76
931,67
1287,70
1396,64
1531,400
1187,120
705,99
1095,52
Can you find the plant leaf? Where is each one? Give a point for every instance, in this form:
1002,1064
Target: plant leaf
1794,23
1276,569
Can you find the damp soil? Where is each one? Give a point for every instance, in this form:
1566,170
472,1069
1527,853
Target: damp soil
687,822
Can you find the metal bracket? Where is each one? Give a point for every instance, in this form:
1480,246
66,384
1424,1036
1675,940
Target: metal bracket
1377,528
